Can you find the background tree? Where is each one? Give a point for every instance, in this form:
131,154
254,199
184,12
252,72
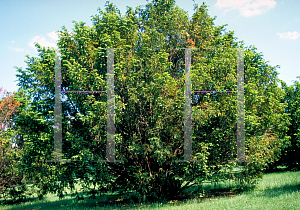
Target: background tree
9,175
149,87
290,155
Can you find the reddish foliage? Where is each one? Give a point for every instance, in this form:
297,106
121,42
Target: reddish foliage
191,43
8,108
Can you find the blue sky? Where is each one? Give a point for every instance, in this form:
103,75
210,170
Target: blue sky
272,26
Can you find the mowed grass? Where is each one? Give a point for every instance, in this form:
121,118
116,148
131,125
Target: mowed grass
280,190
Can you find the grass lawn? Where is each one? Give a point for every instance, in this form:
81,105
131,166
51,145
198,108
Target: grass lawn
280,190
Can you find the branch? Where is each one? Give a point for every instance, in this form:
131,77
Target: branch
148,164
265,133
187,186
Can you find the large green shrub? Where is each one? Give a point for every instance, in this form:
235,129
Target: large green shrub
149,87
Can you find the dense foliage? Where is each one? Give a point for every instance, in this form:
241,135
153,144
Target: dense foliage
290,156
149,86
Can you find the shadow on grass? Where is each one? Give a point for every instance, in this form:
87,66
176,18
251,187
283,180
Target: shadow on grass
103,202
109,201
279,169
117,201
277,191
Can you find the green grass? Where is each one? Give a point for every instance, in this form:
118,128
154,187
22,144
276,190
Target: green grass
280,190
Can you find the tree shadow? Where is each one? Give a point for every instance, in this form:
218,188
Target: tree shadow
277,191
83,201
276,170
114,201
130,200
